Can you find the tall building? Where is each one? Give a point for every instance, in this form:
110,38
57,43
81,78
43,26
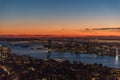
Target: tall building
4,51
49,49
117,52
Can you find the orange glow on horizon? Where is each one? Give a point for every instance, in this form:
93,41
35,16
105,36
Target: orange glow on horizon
62,33
56,28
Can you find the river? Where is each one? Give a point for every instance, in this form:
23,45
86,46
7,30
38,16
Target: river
110,61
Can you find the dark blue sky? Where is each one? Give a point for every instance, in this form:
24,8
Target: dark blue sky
59,16
21,8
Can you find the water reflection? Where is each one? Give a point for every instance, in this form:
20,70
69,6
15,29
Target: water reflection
116,60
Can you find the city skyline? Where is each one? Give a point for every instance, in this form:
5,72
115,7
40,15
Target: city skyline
60,18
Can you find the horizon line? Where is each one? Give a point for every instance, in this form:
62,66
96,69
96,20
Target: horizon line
59,36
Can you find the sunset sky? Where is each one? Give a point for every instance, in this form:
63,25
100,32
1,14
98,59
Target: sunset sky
60,17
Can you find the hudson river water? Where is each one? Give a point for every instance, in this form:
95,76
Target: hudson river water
110,61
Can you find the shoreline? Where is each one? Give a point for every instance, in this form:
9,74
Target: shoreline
21,67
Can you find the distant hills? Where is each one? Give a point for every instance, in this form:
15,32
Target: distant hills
52,36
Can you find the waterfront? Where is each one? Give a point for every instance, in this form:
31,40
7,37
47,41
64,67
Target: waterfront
110,61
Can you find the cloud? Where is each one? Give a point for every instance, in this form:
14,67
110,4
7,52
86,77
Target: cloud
87,29
105,29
